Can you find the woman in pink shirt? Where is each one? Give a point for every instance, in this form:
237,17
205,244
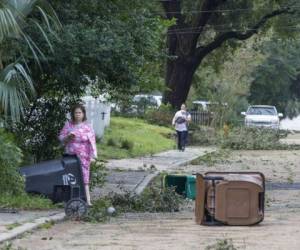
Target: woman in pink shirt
79,139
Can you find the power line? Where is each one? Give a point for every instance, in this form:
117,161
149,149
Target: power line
232,29
227,10
210,11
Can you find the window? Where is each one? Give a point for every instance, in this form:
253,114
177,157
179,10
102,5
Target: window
261,111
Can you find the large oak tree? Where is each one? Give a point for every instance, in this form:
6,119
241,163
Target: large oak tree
203,26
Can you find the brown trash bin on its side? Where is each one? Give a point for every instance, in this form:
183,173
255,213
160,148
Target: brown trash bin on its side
230,198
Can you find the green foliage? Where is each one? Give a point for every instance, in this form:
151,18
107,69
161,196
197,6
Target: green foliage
25,201
10,158
203,135
138,137
223,28
276,81
111,142
37,133
127,144
228,84
98,212
153,200
162,116
251,139
103,48
224,244
17,17
106,46
98,174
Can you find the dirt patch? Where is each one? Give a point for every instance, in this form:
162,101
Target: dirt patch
279,230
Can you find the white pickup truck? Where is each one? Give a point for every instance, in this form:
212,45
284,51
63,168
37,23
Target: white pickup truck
262,116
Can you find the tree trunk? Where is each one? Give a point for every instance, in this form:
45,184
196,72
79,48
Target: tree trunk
178,81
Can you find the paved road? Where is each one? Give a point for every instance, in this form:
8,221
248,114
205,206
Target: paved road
279,231
132,175
291,139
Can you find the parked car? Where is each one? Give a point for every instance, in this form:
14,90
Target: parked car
262,116
153,100
138,104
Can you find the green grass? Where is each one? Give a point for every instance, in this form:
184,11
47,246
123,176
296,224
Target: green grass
13,225
130,137
24,201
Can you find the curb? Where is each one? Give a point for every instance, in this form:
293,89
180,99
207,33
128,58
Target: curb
144,183
29,226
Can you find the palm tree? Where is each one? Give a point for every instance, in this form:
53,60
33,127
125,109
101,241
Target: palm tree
16,86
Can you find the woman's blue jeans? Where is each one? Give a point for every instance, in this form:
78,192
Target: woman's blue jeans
181,139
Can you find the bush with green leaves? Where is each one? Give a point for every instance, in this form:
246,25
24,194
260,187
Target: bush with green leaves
251,139
162,116
153,200
98,174
98,212
203,135
37,133
127,144
111,142
10,158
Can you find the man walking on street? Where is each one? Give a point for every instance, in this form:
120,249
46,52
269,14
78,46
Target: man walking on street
181,121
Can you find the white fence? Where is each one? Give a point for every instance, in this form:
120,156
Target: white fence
98,114
201,117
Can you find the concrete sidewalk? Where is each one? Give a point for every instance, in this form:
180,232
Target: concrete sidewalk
132,175
164,161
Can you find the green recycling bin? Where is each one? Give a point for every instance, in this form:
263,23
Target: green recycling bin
185,185
176,180
190,187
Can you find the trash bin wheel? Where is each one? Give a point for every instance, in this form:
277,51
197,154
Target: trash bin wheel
75,208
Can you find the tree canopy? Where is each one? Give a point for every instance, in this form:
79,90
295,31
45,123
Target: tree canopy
276,81
111,47
203,26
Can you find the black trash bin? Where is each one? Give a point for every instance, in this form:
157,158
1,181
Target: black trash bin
59,180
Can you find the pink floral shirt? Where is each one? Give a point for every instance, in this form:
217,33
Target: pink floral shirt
83,144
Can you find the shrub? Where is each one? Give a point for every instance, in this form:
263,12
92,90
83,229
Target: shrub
202,135
153,199
162,116
25,201
127,144
251,139
37,133
98,212
98,174
111,142
10,158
